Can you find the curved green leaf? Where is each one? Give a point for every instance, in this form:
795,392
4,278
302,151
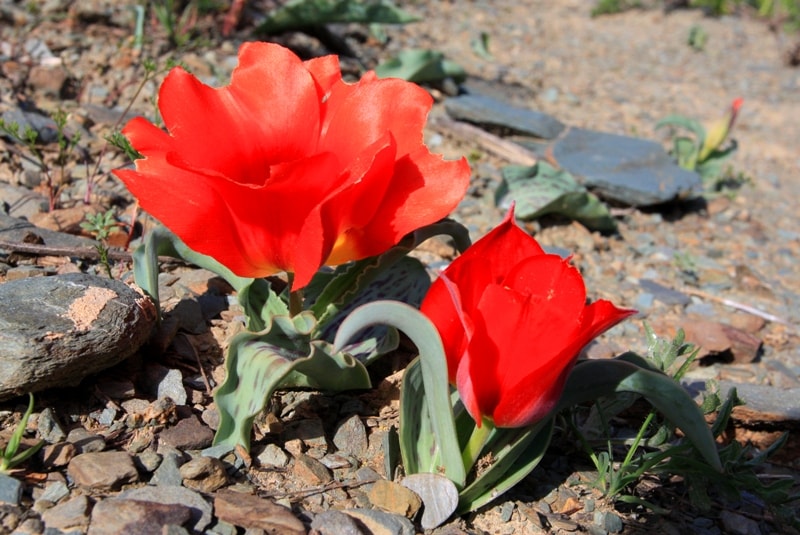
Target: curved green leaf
418,65
255,295
433,368
281,355
593,379
516,452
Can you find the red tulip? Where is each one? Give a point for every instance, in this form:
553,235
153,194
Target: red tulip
289,167
513,320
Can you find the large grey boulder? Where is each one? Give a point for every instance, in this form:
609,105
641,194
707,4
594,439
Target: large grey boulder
54,331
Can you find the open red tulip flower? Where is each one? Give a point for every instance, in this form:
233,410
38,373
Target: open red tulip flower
288,167
513,320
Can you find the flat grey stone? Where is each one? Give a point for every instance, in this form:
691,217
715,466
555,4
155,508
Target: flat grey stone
54,331
668,296
351,436
14,230
776,404
335,523
49,428
10,490
487,111
72,514
628,170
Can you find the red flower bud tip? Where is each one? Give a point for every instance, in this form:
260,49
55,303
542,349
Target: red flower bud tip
513,320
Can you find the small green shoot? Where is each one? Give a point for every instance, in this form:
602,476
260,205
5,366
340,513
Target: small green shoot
10,456
30,139
101,225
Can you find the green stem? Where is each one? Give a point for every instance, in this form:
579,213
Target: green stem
295,302
477,440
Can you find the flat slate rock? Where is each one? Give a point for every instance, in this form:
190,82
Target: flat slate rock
54,331
487,111
13,229
628,170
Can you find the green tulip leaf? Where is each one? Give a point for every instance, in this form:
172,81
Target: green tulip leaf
304,14
419,448
255,295
280,356
542,189
594,379
332,294
435,387
420,66
515,452
680,121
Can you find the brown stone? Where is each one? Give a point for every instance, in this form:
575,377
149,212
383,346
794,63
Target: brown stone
103,471
113,516
394,498
311,471
252,512
205,474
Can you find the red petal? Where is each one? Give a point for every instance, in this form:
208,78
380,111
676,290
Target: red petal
240,129
423,190
359,114
254,231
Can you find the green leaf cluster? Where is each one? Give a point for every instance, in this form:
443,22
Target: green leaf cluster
543,189
305,14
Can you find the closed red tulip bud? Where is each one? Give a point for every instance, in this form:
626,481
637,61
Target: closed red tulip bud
513,320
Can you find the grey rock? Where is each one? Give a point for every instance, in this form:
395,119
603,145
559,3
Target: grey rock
439,496
168,472
15,230
10,490
608,521
380,522
45,127
273,455
781,404
48,427
487,111
20,201
54,331
200,509
86,441
736,524
165,382
72,514
668,296
335,523
351,436
54,492
103,471
628,170
114,515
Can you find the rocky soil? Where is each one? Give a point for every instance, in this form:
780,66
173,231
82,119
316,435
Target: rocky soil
131,444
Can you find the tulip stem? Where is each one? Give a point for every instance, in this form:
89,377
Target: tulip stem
295,302
474,447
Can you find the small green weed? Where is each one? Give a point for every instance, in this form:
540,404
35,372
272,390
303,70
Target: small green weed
10,456
101,225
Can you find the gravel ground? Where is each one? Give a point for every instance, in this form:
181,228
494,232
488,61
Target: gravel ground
617,74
